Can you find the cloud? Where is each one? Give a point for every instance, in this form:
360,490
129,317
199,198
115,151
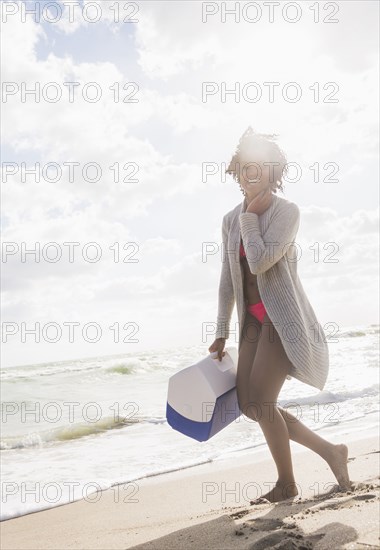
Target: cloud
170,211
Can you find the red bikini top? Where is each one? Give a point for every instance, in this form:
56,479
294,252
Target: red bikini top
242,251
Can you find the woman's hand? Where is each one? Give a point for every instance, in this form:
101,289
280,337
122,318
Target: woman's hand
218,345
260,203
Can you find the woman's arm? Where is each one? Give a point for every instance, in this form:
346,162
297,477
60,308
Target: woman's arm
226,291
263,252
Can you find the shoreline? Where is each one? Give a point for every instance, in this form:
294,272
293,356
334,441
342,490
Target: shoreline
208,506
344,430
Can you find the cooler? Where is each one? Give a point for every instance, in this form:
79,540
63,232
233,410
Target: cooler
202,398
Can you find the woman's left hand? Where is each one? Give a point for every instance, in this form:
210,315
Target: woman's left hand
260,203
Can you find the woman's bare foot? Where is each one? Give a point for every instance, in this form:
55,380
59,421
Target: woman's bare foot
337,460
281,491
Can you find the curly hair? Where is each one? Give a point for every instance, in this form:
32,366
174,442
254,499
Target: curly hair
252,142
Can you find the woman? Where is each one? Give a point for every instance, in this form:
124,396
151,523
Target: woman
279,334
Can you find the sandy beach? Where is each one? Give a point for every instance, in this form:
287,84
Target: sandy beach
209,507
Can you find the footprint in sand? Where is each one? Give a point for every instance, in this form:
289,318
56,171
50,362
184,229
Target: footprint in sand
364,497
238,515
344,502
281,541
268,524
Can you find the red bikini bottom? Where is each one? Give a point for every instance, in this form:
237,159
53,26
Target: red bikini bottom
257,310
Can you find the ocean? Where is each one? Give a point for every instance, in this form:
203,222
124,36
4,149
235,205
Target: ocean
70,429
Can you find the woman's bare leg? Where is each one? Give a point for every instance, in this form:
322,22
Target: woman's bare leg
247,351
268,373
335,455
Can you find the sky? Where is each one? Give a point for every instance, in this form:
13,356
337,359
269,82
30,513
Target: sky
134,103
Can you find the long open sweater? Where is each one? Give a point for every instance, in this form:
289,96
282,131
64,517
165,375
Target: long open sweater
268,241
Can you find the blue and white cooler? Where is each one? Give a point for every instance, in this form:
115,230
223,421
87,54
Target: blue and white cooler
202,398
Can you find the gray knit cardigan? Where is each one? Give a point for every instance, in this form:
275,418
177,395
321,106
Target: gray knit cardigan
268,241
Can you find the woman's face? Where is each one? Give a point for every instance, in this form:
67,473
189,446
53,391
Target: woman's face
255,174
